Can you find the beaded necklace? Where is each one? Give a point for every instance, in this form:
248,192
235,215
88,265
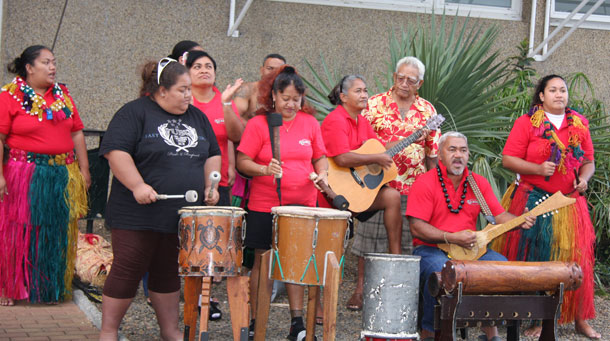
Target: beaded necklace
35,105
565,157
447,200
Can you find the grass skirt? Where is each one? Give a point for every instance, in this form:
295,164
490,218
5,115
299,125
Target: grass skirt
38,225
567,236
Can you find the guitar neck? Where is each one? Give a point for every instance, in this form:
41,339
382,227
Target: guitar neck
498,230
404,143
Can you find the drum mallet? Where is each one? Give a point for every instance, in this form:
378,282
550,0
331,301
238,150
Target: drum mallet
339,201
214,179
189,196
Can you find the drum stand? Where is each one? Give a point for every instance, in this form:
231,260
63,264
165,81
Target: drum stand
237,291
331,294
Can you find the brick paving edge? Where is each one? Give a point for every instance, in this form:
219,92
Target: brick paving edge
90,310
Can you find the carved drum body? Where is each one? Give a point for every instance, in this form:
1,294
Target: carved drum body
211,239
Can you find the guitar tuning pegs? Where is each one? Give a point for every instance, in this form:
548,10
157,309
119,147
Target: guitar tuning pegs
544,215
557,211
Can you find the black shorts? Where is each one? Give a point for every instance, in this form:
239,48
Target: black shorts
258,230
137,252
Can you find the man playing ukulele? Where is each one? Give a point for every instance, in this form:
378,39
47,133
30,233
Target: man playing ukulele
442,208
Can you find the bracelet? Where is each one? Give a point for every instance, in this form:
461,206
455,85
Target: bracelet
227,103
445,238
262,170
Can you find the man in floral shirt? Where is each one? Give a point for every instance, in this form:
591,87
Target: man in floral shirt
394,115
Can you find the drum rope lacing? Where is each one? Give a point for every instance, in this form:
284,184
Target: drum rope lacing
314,243
345,243
275,250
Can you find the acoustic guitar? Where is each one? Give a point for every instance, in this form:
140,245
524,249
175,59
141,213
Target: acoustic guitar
360,185
490,232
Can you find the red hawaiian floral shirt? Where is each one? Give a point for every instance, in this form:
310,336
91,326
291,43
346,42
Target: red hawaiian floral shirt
387,122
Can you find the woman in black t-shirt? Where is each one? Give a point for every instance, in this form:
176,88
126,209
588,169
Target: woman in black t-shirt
158,143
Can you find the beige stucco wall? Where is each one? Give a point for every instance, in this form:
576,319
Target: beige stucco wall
101,43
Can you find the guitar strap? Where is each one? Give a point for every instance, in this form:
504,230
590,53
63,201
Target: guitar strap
477,193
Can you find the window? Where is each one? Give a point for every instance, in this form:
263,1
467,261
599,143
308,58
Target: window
496,9
600,19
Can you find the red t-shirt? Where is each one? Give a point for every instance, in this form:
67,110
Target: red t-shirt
343,134
299,146
214,111
524,144
25,132
427,202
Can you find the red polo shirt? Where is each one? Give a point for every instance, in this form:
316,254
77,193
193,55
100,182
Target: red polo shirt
300,144
526,145
343,134
25,132
215,113
427,202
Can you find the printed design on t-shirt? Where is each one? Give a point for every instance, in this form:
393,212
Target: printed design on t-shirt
179,135
305,142
209,235
219,121
472,202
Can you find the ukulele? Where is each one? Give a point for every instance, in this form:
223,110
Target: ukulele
360,185
550,204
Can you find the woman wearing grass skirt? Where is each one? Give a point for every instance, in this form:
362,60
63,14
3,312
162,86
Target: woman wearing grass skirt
43,181
550,149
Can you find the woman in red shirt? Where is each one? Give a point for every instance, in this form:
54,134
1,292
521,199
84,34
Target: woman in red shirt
302,152
550,149
42,181
221,112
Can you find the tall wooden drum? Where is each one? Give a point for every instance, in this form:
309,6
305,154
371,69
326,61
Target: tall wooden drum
211,239
302,236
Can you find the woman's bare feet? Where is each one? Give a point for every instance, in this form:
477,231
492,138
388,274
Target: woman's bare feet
5,301
583,327
533,331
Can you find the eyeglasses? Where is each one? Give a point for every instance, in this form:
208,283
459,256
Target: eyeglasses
161,65
410,80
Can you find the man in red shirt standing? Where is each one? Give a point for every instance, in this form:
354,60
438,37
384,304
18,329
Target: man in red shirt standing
442,208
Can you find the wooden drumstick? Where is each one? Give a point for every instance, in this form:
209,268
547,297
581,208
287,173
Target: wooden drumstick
214,179
339,201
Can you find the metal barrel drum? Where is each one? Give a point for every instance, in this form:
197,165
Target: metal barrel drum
391,296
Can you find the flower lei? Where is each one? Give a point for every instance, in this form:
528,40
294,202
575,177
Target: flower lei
35,105
565,157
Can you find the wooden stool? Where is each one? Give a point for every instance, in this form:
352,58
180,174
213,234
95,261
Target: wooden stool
485,293
237,292
331,294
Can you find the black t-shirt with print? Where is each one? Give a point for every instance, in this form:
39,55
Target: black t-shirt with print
169,151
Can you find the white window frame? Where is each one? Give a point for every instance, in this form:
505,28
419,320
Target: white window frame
594,21
426,6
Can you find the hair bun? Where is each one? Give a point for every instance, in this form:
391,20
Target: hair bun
289,70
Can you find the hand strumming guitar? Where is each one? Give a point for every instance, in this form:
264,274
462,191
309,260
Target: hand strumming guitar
464,238
384,160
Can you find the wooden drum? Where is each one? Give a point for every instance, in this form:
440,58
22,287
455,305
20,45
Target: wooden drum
211,239
302,236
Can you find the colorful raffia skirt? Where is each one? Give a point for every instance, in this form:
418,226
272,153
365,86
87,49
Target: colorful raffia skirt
38,225
566,236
